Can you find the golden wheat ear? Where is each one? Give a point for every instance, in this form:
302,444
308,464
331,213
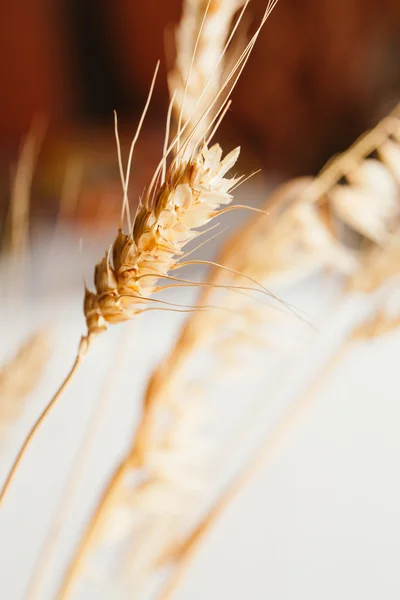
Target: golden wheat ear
180,201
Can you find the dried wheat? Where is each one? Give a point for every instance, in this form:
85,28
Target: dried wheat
195,191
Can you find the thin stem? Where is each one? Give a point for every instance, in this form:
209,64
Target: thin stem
82,350
80,462
288,420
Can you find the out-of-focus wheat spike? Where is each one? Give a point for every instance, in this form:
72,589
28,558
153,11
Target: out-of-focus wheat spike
343,164
292,243
182,556
20,376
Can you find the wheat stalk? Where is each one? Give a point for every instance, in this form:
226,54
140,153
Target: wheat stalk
82,351
36,583
192,192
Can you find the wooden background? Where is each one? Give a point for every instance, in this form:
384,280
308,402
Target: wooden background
321,72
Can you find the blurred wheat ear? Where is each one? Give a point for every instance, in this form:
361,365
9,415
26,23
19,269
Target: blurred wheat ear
370,264
22,373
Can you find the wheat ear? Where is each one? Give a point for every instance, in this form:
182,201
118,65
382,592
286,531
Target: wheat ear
192,194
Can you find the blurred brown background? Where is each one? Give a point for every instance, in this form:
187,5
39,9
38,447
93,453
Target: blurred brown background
321,72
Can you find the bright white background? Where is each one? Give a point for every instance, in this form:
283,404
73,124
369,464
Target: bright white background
321,520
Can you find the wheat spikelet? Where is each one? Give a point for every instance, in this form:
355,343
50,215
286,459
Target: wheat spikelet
20,375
